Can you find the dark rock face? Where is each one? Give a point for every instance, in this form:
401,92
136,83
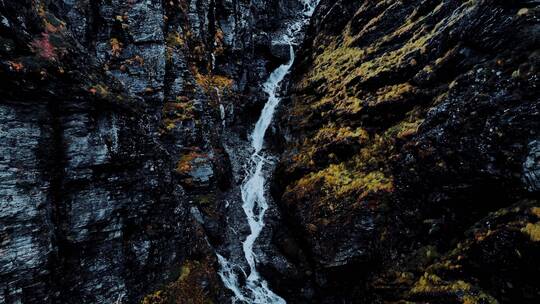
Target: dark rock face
110,130
410,149
90,211
409,123
531,167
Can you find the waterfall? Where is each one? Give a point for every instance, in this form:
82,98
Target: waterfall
254,201
222,113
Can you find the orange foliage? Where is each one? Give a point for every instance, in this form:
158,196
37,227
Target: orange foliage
116,47
16,66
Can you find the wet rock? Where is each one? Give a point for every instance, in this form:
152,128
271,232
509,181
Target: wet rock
87,190
406,125
197,169
410,141
531,167
26,241
281,51
100,102
145,22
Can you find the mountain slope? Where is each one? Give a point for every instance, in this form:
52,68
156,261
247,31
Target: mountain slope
411,130
407,139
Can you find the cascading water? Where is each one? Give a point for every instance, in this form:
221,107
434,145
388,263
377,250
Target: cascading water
256,289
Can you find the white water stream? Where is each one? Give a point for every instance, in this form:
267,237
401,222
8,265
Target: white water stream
254,203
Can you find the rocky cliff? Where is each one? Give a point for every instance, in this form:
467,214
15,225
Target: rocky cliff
111,152
410,164
408,147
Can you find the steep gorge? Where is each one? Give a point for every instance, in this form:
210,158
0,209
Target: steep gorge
403,161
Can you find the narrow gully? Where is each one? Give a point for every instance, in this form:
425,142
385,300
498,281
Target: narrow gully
254,202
